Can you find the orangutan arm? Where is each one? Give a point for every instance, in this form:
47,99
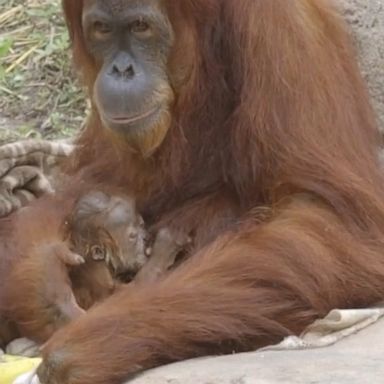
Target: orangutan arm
39,297
36,293
244,290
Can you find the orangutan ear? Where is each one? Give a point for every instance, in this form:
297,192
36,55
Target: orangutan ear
73,13
98,253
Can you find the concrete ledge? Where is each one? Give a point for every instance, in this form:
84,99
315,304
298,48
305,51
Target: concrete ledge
366,18
354,360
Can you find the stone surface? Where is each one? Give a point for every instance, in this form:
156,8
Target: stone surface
354,360
366,18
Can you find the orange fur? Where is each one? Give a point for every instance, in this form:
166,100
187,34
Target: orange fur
37,294
36,291
271,159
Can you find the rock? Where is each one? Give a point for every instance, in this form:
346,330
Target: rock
366,18
354,360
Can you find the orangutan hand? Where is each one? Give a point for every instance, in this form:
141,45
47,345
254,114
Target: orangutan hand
97,348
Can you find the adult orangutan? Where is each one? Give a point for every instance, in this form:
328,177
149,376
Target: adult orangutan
247,124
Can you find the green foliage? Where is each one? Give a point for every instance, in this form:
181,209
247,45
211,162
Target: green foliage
5,45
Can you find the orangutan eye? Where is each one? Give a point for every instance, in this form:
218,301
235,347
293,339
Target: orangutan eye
101,30
140,27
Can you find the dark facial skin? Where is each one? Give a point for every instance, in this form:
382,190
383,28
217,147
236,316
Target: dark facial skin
130,42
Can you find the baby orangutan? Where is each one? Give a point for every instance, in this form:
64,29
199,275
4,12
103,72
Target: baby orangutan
110,236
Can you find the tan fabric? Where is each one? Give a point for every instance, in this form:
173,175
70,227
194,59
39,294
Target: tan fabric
25,167
333,328
23,347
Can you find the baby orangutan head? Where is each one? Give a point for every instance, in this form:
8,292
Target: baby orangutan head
110,235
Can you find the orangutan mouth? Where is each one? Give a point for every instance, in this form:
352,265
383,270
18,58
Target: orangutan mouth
134,119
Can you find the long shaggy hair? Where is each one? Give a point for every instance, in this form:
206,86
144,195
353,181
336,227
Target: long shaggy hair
271,160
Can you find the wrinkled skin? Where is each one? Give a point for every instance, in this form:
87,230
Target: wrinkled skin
130,42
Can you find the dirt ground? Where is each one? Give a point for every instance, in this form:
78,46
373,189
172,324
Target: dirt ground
39,96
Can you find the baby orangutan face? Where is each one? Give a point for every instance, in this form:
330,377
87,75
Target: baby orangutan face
110,235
